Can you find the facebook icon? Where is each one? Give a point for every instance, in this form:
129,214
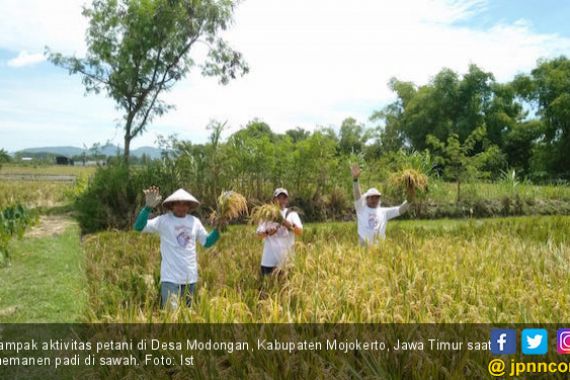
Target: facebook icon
503,341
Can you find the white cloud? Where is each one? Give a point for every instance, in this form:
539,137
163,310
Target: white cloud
26,59
312,61
34,24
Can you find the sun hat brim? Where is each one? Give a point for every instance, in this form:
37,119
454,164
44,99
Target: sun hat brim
181,195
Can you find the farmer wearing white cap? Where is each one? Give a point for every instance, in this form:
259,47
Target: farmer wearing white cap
279,238
371,218
179,233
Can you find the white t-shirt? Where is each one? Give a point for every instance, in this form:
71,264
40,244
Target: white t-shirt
178,238
277,246
372,221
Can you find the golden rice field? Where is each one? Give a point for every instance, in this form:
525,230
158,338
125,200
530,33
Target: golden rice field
34,193
495,270
30,169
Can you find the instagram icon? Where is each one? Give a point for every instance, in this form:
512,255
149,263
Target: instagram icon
563,341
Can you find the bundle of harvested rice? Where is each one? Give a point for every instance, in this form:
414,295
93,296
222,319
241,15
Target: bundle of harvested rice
410,181
231,206
266,213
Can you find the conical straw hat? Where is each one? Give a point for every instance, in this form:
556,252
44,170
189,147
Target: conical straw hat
181,195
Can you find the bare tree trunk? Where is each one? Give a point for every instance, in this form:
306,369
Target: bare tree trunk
128,138
127,150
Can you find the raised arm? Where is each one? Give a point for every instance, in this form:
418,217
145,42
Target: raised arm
394,212
403,208
355,170
152,199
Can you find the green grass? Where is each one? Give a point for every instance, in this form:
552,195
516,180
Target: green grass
45,281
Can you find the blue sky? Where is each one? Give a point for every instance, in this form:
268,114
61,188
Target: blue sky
545,16
312,63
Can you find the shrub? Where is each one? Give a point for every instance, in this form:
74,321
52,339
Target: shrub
114,194
13,222
109,200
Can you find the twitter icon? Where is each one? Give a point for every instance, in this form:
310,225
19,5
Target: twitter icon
534,341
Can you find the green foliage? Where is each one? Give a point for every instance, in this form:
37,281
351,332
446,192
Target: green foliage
79,186
114,193
138,49
352,137
458,159
520,144
447,105
549,86
4,157
13,222
109,200
455,106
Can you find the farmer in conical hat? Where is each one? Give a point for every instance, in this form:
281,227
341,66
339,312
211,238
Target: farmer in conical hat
371,218
179,233
279,238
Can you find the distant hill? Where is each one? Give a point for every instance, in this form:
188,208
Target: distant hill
148,150
107,150
59,150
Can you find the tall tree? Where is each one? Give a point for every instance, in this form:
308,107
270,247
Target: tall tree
448,104
458,159
297,134
549,86
352,136
138,49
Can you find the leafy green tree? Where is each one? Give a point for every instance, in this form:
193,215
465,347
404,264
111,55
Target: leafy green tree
457,159
297,134
391,136
549,86
251,160
138,49
202,165
314,163
4,156
257,128
352,136
448,104
520,142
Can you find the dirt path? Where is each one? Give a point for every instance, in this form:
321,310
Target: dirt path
50,225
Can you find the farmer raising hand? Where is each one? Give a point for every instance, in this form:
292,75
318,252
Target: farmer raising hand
179,233
371,218
152,197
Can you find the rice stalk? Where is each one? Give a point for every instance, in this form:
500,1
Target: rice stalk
230,206
410,182
266,213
